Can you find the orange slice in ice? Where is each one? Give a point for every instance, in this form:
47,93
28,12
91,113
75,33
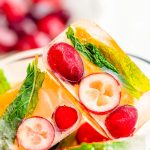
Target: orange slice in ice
7,98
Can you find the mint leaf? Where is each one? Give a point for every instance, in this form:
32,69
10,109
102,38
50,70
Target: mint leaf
4,85
77,45
23,105
90,52
98,58
94,55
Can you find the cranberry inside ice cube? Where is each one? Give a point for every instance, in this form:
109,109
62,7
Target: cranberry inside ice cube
121,122
64,60
86,133
65,117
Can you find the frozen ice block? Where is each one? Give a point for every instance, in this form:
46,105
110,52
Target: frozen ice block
53,118
104,81
53,97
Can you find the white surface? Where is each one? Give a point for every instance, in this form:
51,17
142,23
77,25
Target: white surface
128,21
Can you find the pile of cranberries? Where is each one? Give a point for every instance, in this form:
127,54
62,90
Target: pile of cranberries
28,24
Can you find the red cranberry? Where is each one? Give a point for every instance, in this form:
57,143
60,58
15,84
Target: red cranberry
65,117
121,122
27,42
15,10
86,133
64,60
52,25
8,39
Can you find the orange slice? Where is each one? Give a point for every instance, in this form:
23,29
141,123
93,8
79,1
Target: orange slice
7,98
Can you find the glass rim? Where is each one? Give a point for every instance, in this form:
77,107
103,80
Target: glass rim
39,51
21,56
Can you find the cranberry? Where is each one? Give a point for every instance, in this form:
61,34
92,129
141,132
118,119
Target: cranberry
25,26
63,14
65,117
3,20
39,39
64,60
8,39
35,133
15,10
52,25
121,122
86,133
41,9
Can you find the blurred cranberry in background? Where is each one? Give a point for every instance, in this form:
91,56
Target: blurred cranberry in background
38,39
3,19
28,24
52,25
15,10
42,8
63,14
1,3
8,39
25,26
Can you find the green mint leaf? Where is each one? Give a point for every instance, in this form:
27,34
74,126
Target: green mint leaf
98,58
94,55
90,51
23,105
4,85
77,45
